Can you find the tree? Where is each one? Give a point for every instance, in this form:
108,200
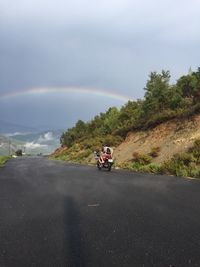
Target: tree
130,113
196,84
111,120
190,86
18,152
157,92
175,98
186,85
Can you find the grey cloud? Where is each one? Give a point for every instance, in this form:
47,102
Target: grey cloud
56,110
102,44
126,16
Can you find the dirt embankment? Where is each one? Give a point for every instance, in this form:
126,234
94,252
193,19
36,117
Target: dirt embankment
59,150
172,137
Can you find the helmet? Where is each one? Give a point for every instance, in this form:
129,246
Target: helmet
108,150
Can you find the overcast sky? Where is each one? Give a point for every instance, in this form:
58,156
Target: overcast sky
109,44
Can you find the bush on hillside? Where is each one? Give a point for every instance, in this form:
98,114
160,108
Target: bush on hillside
195,150
142,159
183,159
154,152
112,140
180,165
97,142
82,154
152,168
159,118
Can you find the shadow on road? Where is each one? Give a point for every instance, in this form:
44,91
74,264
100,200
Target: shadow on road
73,242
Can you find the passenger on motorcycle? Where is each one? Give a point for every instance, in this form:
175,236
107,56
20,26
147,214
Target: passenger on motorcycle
106,150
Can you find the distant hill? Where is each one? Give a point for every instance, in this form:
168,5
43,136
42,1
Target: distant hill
8,127
30,139
31,143
8,145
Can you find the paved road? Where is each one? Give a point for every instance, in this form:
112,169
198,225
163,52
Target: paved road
58,214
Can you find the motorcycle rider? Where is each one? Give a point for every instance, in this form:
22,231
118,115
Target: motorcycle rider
104,152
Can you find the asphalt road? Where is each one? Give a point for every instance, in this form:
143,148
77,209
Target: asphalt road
55,214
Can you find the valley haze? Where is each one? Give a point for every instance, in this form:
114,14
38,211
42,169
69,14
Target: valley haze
29,140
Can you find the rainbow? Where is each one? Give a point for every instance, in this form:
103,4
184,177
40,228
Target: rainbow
71,90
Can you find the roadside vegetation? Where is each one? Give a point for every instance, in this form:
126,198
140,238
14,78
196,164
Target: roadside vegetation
162,102
3,160
184,164
18,152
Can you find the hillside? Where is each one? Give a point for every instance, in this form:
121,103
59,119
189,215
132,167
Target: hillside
172,147
148,133
172,137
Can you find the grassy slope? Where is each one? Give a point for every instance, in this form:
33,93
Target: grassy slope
174,155
3,160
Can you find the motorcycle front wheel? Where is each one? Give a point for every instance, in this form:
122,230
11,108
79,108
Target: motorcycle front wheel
99,165
109,167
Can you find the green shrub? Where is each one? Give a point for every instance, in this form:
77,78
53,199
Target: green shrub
195,150
153,168
18,152
95,143
195,172
136,166
81,155
142,159
111,140
182,172
159,118
181,165
74,154
91,143
183,159
122,165
174,167
3,160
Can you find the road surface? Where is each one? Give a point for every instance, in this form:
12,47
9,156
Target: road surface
55,214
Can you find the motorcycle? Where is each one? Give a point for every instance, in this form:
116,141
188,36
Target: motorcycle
104,161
